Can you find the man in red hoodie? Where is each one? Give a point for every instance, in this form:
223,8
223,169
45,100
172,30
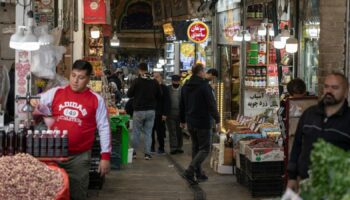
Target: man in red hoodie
81,111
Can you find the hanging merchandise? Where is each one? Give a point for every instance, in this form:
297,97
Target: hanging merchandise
94,12
44,61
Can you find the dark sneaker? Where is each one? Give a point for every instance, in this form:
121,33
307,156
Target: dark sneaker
148,157
161,152
201,178
173,152
189,178
134,155
180,151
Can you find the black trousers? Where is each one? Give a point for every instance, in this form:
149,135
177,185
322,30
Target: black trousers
159,127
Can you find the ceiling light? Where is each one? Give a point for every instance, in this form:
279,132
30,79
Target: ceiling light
247,36
115,41
292,45
262,30
16,38
278,43
238,37
95,32
271,31
30,41
285,35
161,61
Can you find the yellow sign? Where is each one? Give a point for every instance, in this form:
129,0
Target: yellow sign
168,29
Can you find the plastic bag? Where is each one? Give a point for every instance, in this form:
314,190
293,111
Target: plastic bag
44,61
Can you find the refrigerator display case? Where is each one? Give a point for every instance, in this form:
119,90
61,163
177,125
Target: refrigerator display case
169,65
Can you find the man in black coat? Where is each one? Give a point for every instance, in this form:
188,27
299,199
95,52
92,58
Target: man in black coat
197,108
329,120
162,110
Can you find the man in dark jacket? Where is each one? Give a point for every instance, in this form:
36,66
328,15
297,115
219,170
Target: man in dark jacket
162,110
145,92
329,120
197,107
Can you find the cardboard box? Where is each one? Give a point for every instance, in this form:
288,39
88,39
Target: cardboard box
228,156
264,154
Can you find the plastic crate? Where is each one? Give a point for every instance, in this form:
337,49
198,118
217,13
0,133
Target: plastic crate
257,170
268,187
241,177
242,161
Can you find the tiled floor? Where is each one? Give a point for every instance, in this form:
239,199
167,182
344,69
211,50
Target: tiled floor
159,179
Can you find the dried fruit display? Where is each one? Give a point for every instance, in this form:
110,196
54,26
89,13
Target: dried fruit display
24,177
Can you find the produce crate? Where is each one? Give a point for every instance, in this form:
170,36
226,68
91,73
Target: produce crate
264,169
269,187
264,154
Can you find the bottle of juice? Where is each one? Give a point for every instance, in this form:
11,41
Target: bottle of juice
65,143
58,145
36,143
2,143
29,142
21,139
43,144
11,140
50,144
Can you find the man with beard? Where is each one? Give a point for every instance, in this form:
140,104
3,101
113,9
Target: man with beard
329,120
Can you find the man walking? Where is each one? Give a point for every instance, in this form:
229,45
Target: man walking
329,120
197,107
145,92
162,110
173,119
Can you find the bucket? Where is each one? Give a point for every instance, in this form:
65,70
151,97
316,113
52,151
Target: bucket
130,152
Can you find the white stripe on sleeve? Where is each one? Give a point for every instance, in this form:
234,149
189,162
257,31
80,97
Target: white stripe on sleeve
102,121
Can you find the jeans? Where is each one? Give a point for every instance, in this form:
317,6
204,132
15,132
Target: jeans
143,121
159,127
77,168
175,133
200,148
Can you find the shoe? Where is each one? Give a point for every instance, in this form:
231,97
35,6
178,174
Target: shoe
153,151
189,178
173,152
201,178
180,151
161,152
134,155
148,157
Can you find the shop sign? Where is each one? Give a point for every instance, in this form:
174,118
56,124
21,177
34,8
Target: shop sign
168,29
198,32
229,25
224,5
94,12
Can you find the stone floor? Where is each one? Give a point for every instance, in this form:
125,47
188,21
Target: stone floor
159,179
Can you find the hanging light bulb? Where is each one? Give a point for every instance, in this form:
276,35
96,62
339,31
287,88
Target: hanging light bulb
16,38
278,43
115,41
292,45
95,32
30,41
45,38
285,35
247,36
271,31
262,30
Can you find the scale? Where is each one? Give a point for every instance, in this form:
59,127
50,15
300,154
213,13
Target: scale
28,108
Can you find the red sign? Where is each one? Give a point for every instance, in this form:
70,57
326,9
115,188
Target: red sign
198,32
94,12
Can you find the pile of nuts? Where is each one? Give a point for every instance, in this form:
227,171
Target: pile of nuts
24,177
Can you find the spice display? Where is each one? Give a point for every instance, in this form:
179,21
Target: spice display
24,177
